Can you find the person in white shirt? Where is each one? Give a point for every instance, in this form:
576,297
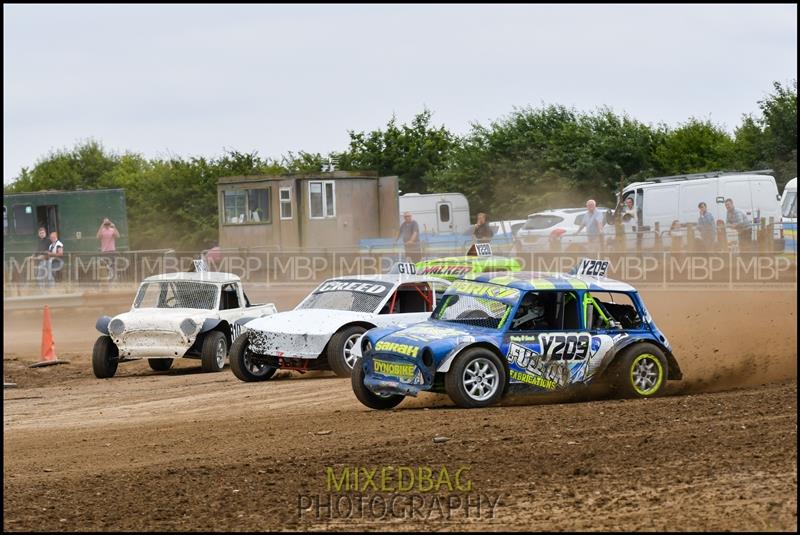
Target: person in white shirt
593,222
55,258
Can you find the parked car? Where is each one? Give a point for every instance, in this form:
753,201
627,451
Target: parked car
507,229
177,315
541,227
531,331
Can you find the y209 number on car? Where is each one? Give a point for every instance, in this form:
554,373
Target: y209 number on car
594,268
565,346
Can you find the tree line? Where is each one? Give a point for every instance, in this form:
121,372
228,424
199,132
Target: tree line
534,158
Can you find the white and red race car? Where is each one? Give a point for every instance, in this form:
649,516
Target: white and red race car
323,330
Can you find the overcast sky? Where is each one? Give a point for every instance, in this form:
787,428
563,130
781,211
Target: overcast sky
196,80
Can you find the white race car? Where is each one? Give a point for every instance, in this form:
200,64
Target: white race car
193,315
323,330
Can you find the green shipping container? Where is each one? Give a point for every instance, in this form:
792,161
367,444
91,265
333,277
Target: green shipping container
75,215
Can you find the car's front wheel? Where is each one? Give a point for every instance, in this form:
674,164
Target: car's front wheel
340,350
367,396
105,358
242,365
215,349
639,371
476,378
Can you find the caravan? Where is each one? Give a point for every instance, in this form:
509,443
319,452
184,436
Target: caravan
437,213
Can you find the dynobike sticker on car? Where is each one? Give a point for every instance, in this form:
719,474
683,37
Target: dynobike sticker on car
404,372
554,360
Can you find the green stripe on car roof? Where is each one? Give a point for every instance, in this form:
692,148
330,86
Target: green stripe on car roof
578,284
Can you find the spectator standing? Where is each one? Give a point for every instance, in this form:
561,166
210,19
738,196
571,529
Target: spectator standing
41,258
108,234
482,233
737,219
593,223
55,254
707,228
409,232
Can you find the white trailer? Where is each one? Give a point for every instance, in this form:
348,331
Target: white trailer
437,213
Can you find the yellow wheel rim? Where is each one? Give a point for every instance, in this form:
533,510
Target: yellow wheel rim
646,374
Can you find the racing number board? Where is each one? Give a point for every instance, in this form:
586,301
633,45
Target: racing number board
594,268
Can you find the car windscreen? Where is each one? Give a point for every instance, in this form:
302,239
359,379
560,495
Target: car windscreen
476,303
537,222
176,294
352,295
471,310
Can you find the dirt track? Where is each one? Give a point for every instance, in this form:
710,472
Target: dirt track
191,451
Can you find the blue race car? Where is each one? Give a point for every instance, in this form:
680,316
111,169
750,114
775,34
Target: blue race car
537,331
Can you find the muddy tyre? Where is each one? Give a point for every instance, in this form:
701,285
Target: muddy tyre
367,396
215,349
242,367
160,365
476,378
340,350
639,371
105,358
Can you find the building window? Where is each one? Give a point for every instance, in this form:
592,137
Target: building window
286,203
242,206
258,205
23,219
322,199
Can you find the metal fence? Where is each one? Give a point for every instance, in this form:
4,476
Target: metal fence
662,268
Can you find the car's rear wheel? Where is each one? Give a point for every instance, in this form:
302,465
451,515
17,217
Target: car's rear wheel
105,358
340,350
639,371
215,349
476,378
160,365
367,396
243,366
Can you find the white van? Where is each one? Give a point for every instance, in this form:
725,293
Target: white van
665,200
789,213
437,213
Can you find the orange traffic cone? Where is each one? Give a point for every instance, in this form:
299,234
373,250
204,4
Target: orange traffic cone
48,344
